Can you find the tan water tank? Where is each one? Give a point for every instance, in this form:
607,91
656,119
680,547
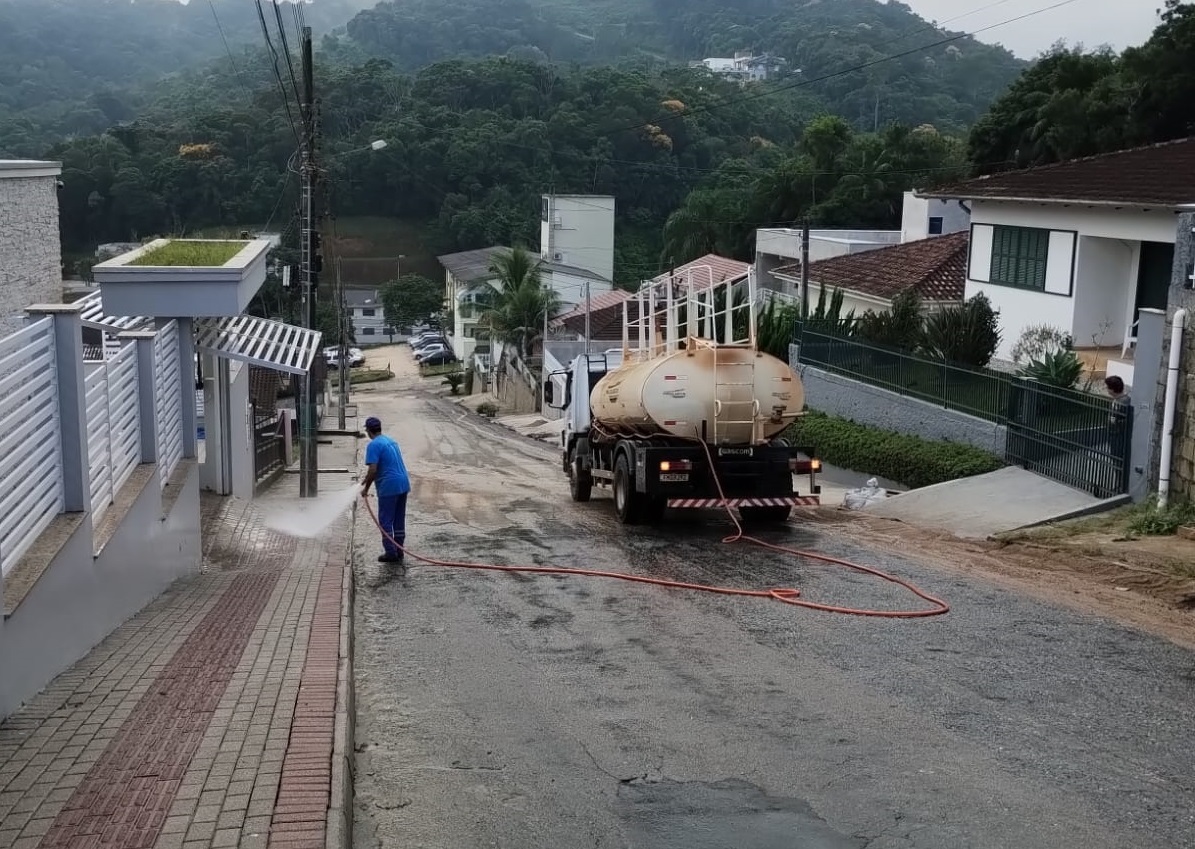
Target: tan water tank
675,394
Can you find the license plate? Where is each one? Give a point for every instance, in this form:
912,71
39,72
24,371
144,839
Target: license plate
673,478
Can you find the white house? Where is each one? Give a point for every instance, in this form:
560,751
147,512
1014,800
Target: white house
367,315
576,250
30,248
1080,246
744,66
780,247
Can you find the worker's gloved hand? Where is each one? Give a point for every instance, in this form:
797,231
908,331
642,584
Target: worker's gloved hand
364,492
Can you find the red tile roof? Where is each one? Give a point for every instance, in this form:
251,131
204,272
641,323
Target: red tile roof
1156,175
605,316
706,270
936,268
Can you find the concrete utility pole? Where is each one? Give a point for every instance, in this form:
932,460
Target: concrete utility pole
309,264
805,268
588,307
343,400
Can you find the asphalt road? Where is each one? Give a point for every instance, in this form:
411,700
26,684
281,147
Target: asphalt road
562,713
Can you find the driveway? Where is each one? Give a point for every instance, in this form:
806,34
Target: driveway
528,712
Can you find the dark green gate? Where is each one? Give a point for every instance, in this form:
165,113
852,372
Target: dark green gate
1076,438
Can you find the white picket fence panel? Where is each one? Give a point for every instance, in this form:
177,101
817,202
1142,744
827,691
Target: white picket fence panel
99,446
113,425
31,488
124,414
169,400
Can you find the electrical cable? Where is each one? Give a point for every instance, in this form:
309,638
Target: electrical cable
787,595
265,30
235,70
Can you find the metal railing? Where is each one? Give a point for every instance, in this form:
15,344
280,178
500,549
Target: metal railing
99,448
124,414
168,400
1077,438
31,483
978,392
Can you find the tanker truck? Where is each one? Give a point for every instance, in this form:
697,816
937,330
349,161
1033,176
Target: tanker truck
688,413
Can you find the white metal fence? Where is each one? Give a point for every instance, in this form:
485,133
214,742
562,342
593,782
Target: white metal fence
113,425
169,400
31,489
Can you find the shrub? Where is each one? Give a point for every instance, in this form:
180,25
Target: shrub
828,317
900,327
488,409
454,381
1059,368
909,460
1150,520
1037,342
967,335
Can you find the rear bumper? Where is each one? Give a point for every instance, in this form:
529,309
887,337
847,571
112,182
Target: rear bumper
711,503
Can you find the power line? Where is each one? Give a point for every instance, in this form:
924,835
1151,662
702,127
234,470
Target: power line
290,67
265,31
235,70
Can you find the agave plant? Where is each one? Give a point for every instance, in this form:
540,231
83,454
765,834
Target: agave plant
1058,368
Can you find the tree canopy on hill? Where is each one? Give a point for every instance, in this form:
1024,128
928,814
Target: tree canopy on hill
1073,103
950,85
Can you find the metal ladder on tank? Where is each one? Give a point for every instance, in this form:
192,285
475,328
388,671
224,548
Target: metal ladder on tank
728,412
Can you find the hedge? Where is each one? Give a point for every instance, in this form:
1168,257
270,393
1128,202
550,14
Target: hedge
908,460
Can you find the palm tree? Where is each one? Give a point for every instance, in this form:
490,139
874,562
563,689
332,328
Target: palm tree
522,302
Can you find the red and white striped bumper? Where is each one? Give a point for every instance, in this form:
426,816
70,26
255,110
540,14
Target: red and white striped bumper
711,503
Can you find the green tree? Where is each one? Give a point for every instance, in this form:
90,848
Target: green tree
522,302
411,298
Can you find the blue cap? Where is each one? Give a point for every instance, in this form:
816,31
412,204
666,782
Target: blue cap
373,423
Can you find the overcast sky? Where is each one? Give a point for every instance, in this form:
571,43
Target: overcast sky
1120,23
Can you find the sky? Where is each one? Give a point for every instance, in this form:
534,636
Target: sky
1120,23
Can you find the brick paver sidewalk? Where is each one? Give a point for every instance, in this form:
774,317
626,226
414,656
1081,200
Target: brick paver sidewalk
205,721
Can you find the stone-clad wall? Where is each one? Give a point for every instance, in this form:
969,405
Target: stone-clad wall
1183,469
30,249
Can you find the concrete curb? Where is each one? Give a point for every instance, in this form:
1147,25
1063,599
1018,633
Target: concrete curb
340,806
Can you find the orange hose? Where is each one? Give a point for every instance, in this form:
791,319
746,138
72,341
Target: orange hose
784,594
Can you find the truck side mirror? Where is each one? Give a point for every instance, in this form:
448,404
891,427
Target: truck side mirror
548,392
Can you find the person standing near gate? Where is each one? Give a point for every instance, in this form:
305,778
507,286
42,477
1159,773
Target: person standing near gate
1122,406
387,470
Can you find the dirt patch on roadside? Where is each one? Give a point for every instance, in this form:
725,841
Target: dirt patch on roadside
1147,583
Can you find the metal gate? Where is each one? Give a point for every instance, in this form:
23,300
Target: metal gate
269,448
1076,438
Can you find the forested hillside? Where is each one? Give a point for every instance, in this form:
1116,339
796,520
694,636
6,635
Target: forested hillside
1078,104
78,66
950,85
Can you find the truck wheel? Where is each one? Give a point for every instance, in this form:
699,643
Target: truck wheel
580,481
626,500
764,515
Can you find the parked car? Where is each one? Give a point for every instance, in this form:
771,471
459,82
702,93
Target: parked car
439,358
356,356
435,343
430,349
420,341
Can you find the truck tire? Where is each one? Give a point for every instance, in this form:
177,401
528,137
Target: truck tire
764,515
626,500
580,481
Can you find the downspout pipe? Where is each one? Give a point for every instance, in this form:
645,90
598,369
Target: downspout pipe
1167,455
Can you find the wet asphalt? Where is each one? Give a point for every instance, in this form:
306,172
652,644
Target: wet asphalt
556,712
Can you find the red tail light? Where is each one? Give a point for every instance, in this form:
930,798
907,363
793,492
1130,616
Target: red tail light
805,467
676,465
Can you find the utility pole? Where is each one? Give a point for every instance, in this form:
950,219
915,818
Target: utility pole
588,307
309,262
805,269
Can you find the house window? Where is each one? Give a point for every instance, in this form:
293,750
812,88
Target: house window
1019,256
935,226
368,313
367,331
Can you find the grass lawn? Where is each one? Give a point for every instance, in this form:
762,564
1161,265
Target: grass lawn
191,253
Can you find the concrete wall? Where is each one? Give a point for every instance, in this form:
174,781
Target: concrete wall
30,250
581,229
870,405
81,598
915,216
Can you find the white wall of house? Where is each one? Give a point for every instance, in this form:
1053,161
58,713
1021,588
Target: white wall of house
1091,267
30,249
369,324
925,217
578,230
